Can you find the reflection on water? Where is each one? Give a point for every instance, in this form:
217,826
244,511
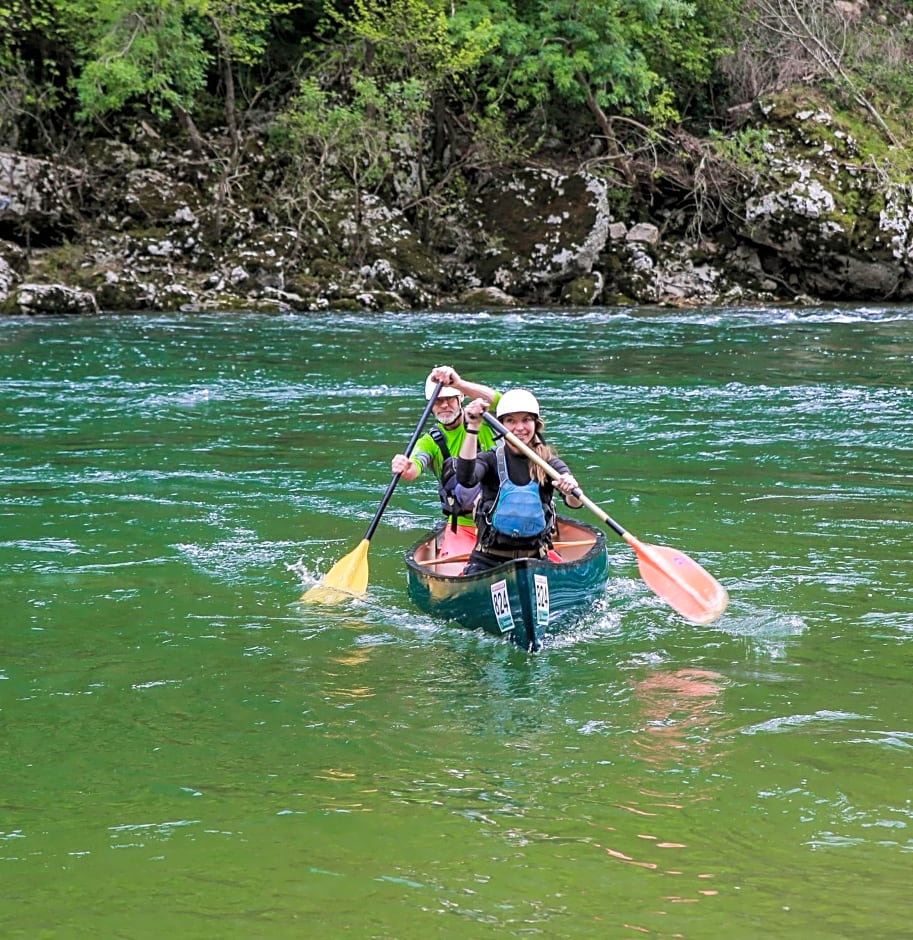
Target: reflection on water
675,741
682,718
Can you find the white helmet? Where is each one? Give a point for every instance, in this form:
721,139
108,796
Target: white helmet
447,391
517,399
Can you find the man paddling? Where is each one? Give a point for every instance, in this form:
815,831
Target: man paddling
437,450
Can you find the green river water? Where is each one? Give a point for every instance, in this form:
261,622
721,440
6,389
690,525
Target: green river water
189,751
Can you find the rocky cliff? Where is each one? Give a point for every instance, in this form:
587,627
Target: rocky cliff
810,215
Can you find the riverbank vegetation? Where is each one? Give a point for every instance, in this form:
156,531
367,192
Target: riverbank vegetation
412,101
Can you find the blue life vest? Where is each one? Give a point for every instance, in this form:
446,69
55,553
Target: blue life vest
518,511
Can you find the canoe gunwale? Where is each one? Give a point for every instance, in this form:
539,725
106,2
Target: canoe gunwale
599,541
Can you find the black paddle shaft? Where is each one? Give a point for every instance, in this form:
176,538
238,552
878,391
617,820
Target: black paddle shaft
415,436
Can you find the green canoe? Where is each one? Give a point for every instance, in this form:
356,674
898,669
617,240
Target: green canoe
523,599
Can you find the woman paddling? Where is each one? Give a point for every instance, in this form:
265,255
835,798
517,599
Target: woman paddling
515,513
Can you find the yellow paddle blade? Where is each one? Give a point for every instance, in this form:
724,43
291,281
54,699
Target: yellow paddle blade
348,578
680,581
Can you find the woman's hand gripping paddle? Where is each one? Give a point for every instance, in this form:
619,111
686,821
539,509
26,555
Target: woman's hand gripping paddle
679,580
349,576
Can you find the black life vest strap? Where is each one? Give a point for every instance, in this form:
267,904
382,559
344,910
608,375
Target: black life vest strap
448,499
437,435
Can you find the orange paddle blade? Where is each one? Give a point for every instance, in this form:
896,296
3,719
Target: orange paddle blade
680,581
346,579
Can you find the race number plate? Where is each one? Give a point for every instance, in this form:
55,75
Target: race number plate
542,606
500,601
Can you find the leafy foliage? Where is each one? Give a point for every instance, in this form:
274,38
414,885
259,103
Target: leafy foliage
411,97
37,59
331,141
150,50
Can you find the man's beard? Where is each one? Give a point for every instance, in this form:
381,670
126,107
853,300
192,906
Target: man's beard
455,420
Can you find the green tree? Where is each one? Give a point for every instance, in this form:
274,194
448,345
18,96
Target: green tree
161,53
242,31
37,60
386,96
598,54
616,63
340,144
399,41
143,51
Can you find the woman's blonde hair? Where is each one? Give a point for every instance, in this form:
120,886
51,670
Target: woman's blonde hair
544,450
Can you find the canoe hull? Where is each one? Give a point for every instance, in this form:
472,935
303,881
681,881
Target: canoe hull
522,600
